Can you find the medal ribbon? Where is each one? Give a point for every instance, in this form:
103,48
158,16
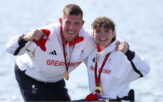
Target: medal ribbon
64,52
98,78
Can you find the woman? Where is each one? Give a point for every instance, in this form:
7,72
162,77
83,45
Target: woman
110,71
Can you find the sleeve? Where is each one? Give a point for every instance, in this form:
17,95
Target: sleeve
139,65
88,54
90,46
15,46
86,62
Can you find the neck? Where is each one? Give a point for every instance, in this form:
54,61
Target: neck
102,48
69,40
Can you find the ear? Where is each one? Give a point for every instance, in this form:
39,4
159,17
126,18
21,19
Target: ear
60,21
114,33
93,33
82,23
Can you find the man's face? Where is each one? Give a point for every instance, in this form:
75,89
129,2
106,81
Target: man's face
71,26
103,36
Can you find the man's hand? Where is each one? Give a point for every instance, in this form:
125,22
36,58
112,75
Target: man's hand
34,35
122,46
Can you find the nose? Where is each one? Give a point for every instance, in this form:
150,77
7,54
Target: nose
71,26
102,33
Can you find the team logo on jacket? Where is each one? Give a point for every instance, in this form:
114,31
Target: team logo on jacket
82,55
94,59
53,53
42,42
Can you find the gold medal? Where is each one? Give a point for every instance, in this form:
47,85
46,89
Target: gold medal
99,90
66,75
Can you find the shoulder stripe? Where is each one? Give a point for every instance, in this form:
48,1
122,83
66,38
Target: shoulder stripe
21,43
135,69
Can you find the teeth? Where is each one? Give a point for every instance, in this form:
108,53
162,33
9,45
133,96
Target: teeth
103,39
71,32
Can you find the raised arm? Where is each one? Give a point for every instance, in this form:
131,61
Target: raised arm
16,46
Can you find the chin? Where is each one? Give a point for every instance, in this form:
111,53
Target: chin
70,39
104,44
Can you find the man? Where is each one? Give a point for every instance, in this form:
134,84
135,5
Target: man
47,55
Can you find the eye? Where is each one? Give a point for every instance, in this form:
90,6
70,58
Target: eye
68,22
77,23
107,31
97,31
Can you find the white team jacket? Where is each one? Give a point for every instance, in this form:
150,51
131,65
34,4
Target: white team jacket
49,66
117,72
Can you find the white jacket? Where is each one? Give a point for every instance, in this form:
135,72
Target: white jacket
49,66
117,72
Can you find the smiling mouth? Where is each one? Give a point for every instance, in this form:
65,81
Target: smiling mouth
104,39
71,32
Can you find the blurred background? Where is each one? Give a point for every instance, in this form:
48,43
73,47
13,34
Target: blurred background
138,22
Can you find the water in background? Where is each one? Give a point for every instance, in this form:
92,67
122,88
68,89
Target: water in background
138,22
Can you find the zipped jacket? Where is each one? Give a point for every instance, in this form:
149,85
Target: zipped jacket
43,60
118,71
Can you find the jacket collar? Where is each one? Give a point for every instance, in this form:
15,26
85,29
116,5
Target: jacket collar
108,49
78,39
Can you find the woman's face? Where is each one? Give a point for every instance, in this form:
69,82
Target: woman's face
103,36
